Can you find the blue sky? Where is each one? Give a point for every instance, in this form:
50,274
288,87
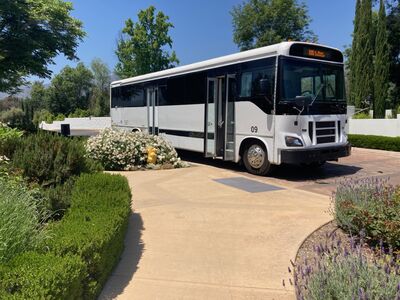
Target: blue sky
203,28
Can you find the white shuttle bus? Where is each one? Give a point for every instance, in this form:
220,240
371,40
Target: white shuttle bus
283,103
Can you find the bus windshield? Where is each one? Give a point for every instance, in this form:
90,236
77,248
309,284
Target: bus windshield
321,81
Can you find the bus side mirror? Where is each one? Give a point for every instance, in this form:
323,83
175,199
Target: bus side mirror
303,101
265,86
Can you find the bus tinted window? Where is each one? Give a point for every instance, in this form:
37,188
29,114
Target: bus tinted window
128,96
162,95
246,84
175,91
195,89
189,89
258,87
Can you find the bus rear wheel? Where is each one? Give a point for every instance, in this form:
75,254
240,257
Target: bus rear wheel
255,159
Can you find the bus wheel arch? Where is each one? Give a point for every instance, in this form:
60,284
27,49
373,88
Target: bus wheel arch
254,154
136,130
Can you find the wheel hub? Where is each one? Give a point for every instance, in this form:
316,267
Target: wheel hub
256,156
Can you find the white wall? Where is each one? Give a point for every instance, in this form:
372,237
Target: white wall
79,126
384,127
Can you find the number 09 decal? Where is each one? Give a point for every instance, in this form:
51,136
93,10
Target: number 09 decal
254,129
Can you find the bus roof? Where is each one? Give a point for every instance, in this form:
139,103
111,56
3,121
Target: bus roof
263,52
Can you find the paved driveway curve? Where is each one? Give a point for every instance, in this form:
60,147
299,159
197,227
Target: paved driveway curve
192,237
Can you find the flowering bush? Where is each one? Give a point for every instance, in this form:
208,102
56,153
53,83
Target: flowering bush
122,150
342,271
370,205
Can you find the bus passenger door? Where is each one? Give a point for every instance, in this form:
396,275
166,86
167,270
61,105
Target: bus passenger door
229,149
220,118
210,118
152,111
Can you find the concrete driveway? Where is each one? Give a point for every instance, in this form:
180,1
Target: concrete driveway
192,237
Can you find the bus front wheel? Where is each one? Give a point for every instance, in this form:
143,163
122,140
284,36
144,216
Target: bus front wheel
255,159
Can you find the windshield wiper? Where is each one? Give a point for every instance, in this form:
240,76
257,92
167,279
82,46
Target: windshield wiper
317,94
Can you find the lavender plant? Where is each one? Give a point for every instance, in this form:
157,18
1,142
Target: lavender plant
370,205
347,272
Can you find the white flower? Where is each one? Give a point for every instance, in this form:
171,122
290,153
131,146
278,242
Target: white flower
121,150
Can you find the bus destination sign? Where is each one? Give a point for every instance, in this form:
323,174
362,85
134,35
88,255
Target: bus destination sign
315,53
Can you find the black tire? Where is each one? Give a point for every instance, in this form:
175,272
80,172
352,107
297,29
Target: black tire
259,164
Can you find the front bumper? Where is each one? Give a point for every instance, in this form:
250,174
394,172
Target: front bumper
307,156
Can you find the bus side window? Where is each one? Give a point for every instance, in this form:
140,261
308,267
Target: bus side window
131,96
245,85
116,97
162,95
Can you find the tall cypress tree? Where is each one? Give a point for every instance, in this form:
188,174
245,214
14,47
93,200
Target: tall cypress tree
353,59
365,53
382,64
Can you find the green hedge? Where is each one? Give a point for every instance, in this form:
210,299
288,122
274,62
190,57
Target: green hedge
375,142
42,276
89,239
94,228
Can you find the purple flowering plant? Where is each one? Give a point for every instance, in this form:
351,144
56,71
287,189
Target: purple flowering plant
345,270
371,205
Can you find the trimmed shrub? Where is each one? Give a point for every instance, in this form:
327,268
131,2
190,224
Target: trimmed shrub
375,142
94,227
371,206
58,198
122,150
51,159
20,220
9,140
42,276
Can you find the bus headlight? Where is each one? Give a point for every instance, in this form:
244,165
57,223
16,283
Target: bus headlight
292,141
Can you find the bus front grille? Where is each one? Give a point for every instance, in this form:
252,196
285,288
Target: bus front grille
325,132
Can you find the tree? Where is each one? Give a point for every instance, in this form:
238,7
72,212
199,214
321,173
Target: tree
393,26
361,61
353,55
381,64
38,95
141,47
99,102
70,90
260,23
12,117
32,33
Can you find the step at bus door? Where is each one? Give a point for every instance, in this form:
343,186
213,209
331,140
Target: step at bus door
229,151
152,111
210,118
